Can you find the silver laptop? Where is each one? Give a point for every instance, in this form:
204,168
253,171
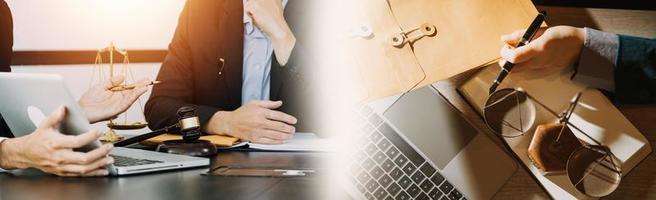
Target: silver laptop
28,98
417,146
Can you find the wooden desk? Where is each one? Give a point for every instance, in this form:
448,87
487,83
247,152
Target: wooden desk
639,183
182,184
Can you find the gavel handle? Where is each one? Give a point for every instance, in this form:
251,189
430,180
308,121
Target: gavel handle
146,136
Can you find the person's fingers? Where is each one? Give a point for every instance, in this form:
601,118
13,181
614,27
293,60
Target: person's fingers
521,67
264,140
249,7
65,174
278,126
513,38
280,116
133,96
97,172
55,118
72,157
69,141
501,62
138,91
521,54
268,104
275,134
84,169
517,68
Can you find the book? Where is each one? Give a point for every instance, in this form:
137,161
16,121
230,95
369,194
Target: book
299,142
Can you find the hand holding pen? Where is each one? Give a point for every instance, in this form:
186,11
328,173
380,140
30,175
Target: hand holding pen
106,100
551,50
528,36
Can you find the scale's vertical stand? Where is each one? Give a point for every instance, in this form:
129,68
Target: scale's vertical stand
111,135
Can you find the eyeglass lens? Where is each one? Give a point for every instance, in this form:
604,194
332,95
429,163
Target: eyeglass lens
509,112
593,172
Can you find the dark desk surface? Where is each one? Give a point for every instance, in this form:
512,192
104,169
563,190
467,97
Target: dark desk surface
182,184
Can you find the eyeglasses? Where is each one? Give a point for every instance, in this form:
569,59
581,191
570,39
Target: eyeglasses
591,168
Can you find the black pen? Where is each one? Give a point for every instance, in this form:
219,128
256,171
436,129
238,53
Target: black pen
528,36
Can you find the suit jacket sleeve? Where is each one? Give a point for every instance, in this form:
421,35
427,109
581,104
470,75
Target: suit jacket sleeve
635,74
177,87
625,66
298,90
6,37
6,43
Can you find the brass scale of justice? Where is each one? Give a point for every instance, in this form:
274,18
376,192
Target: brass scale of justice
121,122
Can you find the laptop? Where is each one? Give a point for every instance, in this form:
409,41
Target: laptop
417,146
29,98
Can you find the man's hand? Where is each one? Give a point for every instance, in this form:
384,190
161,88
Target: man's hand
553,48
52,152
268,16
256,122
100,103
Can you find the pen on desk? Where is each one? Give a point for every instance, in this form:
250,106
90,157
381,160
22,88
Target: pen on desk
130,86
528,36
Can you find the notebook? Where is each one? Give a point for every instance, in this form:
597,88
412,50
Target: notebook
300,142
466,36
595,114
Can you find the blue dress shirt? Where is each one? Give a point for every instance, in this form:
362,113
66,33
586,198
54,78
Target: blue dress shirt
258,52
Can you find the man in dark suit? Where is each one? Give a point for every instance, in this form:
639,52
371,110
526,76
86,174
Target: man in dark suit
237,61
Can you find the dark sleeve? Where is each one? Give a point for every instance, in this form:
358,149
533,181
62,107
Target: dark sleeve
624,66
6,43
300,90
177,87
635,72
294,64
6,37
596,65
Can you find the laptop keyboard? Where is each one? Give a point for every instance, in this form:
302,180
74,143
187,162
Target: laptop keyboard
122,161
387,167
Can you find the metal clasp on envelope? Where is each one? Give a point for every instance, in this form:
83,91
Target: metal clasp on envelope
413,35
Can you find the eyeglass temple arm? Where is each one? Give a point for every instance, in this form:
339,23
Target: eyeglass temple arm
570,110
568,113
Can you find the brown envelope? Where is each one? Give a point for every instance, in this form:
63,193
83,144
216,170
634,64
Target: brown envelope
384,70
467,36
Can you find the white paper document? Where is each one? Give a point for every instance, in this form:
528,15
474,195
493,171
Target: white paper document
299,142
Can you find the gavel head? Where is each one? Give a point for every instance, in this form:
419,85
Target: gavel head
189,124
